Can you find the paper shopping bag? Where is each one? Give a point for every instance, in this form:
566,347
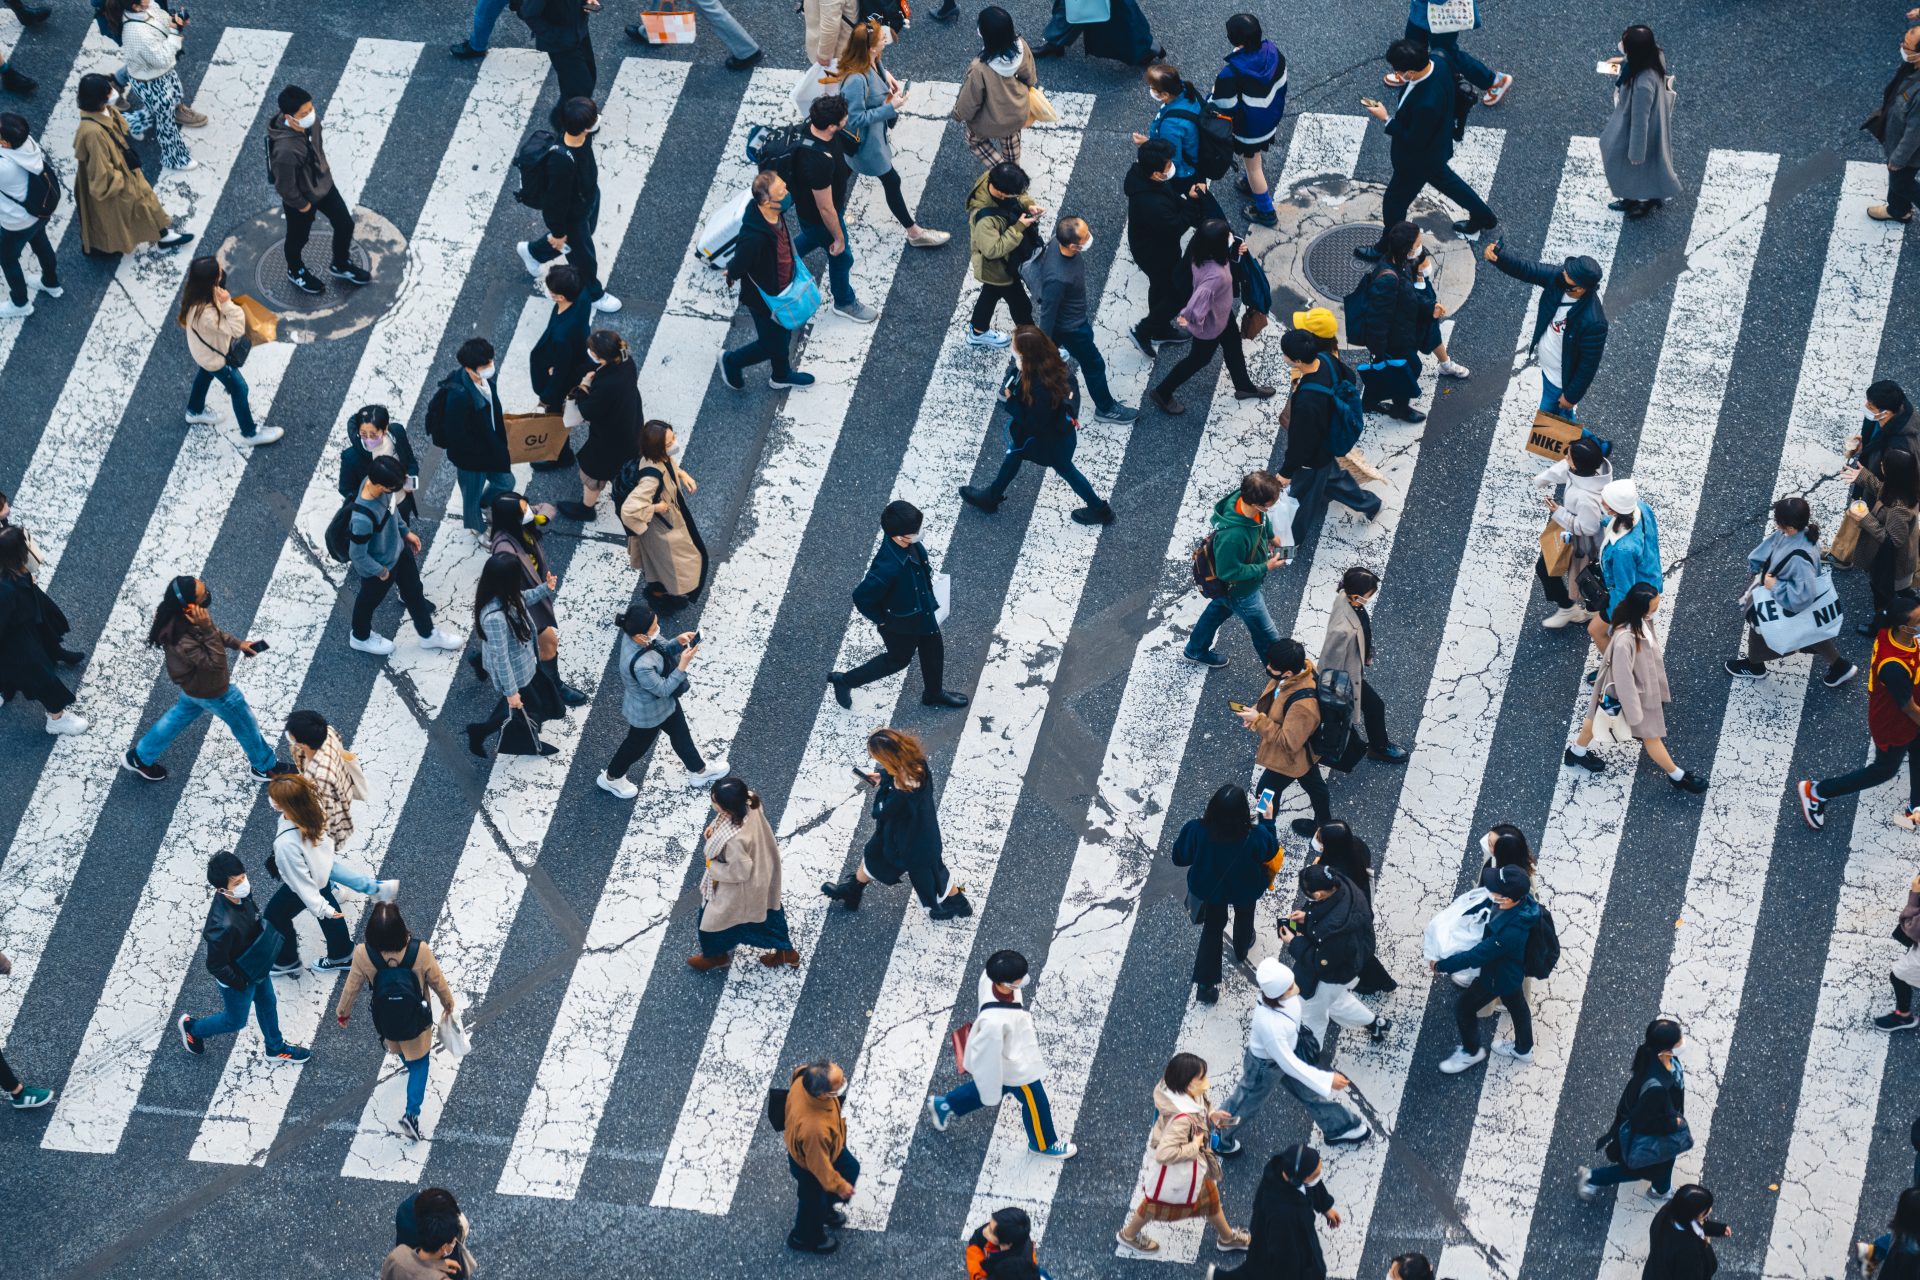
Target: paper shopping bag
535,437
1550,434
262,325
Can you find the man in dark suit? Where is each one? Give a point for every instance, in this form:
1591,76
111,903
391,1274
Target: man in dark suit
897,597
1420,128
468,424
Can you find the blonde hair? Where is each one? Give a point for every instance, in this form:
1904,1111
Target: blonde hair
294,797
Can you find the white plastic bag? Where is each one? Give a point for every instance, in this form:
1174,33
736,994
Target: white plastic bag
1459,926
453,1038
942,598
810,86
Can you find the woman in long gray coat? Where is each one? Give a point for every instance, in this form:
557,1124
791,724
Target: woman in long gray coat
1634,670
873,104
740,889
1634,145
1349,648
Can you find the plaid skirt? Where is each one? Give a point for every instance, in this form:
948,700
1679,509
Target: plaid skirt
992,151
1205,1207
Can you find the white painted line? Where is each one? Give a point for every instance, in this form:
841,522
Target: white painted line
137,310
583,1055
207,475
164,934
1715,931
1502,1175
1432,827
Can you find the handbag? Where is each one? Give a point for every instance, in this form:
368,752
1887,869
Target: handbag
1556,549
1644,1150
454,1038
1447,16
257,960
1791,632
1040,109
963,1033
666,22
1592,586
521,736
1610,726
1197,909
1252,323
777,1109
794,305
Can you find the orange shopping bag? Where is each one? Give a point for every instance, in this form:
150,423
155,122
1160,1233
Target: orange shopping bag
666,22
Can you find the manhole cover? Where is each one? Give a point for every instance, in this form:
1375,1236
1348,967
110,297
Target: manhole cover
270,282
256,261
1329,263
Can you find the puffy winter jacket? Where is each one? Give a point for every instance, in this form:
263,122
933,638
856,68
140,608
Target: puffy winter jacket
1501,953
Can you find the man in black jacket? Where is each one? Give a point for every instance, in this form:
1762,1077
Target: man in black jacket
1332,939
559,29
570,204
233,925
469,425
762,266
1311,469
897,597
304,181
1569,329
1159,213
1888,425
1420,128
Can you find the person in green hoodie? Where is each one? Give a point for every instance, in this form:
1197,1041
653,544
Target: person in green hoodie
1244,549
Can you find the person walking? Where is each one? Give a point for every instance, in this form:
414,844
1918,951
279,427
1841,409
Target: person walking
1349,647
569,188
332,770
1003,1060
1893,718
400,969
1002,225
22,1096
742,49
1323,419
479,35
434,1252
1283,1243
423,1204
1633,670
1887,512
503,617
1432,340
1252,90
1056,280
1209,317
1787,563
828,24
1895,1253
896,596
821,180
995,101
1245,550
559,360
1160,212
238,956
1493,85
33,630
1499,956
874,99
1635,146
1284,718
1180,1154
608,401
307,863
116,209
1330,942
763,267
559,30
214,322
1043,424
1680,1241
151,38
1123,35
740,888
372,433
1176,119
653,676
297,161
1002,1240
1896,124
1629,555
906,831
1334,845
383,552
663,542
1420,129
824,1171
473,431
1653,1106
197,666
1569,327
1279,1051
24,189
1393,319
1231,857
516,531
1581,519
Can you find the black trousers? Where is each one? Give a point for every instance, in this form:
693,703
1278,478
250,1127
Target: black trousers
1373,714
634,747
300,228
1466,1015
1406,184
34,237
9,1083
405,574
1885,763
896,200
899,655
575,69
285,905
1166,294
1213,926
810,1223
770,342
1553,584
1200,354
1313,782
1901,190
580,254
1019,306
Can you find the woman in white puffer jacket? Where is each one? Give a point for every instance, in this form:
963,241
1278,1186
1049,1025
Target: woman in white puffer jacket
308,867
1584,472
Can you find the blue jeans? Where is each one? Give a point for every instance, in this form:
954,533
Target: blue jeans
1257,1079
417,1082
233,1014
1550,399
477,489
485,14
839,269
1079,345
358,879
230,706
228,377
1447,45
1035,1112
1250,609
732,34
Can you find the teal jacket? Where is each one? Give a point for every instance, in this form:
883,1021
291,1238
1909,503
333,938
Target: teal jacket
1240,547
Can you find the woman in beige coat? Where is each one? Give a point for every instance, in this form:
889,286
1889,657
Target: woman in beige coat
1182,1148
214,322
388,939
1349,648
740,891
663,542
118,211
1635,672
995,101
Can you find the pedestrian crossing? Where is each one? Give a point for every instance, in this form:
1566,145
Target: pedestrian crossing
1109,931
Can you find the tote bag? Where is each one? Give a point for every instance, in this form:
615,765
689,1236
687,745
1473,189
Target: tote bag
1791,632
1447,16
794,305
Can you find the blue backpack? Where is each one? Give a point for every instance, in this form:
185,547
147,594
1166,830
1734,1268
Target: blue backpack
1348,418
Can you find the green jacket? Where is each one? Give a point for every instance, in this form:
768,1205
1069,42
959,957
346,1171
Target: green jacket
1240,547
993,237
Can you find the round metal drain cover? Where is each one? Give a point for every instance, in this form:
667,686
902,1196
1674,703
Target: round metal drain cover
256,262
270,283
1329,263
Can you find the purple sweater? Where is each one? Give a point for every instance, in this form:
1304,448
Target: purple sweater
1207,310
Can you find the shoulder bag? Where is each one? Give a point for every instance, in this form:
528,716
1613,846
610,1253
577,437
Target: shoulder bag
794,305
1787,632
236,353
964,1033
1644,1150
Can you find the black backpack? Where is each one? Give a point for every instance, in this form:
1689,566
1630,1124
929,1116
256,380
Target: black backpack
1363,326
1334,693
1214,157
531,161
1211,587
769,144
897,14
42,195
400,1009
340,538
1543,948
437,416
631,473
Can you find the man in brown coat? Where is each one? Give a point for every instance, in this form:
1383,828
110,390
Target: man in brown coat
118,211
817,1154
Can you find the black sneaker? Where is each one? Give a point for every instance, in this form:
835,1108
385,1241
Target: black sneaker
1467,229
1812,807
272,771
1210,658
466,50
1378,1028
734,63
1838,674
1745,669
410,1128
1143,342
842,694
332,964
17,82
306,282
1207,993
1259,217
1689,781
974,496
1101,514
351,273
728,376
190,1042
637,32
1588,760
1896,1022
151,772
1303,827
283,968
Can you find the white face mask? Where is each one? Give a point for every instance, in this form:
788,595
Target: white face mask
1021,983
486,373
1158,101
527,516
1086,244
841,1092
1317,846
241,890
308,120
597,361
1168,175
1486,842
1318,1174
912,538
1909,54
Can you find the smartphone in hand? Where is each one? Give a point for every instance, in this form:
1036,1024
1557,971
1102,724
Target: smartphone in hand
258,646
1236,707
1607,67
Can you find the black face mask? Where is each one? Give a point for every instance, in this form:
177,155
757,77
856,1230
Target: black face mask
206,597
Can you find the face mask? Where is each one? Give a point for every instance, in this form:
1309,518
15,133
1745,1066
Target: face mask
486,373
841,1092
206,602
1086,244
527,516
240,890
1909,54
593,128
1168,175
597,361
912,538
1156,98
308,120
1317,846
1486,842
1318,1174
1021,983
372,443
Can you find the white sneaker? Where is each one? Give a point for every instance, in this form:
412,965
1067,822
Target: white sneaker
375,643
1453,369
606,303
439,639
8,309
991,338
1565,617
188,167
527,259
1459,1060
53,290
202,417
715,770
387,892
264,436
1506,1050
616,786
71,722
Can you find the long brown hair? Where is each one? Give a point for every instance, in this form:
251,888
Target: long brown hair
861,52
204,275
901,755
294,796
1040,362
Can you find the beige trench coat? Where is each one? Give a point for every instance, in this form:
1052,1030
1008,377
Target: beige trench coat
662,545
1636,671
425,968
742,883
118,211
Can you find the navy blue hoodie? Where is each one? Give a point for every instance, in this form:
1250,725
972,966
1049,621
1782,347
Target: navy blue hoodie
1252,88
